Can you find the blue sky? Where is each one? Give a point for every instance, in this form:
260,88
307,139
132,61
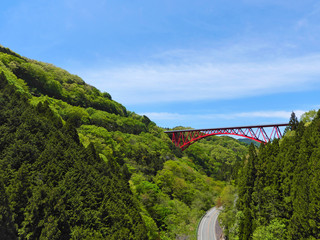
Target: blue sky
202,64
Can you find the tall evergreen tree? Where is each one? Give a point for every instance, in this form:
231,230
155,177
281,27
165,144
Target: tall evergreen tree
246,185
293,122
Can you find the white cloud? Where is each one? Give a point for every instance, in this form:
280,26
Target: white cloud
206,77
156,116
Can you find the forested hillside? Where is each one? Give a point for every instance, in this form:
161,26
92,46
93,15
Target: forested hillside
77,165
279,187
51,186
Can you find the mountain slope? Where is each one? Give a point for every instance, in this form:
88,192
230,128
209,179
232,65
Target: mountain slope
136,184
51,186
41,78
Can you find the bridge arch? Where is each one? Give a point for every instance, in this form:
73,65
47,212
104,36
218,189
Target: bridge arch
184,138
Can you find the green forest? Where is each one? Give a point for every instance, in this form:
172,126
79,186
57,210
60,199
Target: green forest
75,164
277,195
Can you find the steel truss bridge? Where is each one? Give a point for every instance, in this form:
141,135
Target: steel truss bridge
184,138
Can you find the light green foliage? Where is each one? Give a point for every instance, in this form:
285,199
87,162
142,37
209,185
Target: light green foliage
40,78
179,180
81,116
177,197
307,117
12,62
228,216
219,157
275,230
151,226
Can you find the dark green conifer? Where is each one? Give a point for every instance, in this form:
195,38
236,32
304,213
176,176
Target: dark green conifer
246,186
50,185
7,228
293,122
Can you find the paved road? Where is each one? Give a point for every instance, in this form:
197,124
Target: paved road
207,226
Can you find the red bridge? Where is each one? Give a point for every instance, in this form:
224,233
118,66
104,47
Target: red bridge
184,138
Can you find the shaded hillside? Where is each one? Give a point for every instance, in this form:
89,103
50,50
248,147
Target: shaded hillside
51,187
249,141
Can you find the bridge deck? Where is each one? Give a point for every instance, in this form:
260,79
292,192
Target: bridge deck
224,128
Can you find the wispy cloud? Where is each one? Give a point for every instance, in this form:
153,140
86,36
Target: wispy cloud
285,115
310,20
205,79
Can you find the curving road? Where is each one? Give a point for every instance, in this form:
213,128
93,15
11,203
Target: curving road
207,226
